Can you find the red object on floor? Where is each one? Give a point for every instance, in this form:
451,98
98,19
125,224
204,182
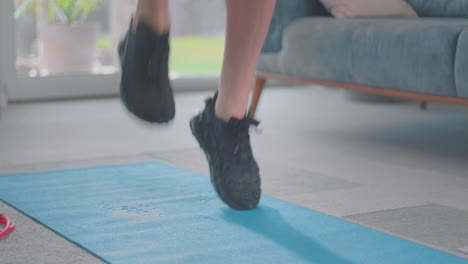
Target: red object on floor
9,226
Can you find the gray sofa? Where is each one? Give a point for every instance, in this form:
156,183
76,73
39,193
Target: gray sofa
422,58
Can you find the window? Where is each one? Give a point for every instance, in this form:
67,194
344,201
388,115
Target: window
68,47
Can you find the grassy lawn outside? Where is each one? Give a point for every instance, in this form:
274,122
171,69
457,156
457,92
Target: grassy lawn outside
196,55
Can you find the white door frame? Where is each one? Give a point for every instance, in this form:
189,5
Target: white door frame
7,44
67,86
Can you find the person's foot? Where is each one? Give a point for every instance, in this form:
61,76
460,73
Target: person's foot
145,88
233,169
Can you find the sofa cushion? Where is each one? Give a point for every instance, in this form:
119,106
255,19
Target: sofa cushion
369,8
268,62
286,11
407,54
461,65
440,8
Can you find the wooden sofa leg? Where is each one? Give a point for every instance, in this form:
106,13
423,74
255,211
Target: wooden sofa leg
422,105
259,85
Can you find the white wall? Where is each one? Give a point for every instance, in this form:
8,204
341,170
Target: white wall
3,84
3,98
6,49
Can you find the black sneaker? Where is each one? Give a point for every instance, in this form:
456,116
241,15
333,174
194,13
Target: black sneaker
145,88
233,169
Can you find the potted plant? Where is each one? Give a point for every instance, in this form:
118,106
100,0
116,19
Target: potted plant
66,40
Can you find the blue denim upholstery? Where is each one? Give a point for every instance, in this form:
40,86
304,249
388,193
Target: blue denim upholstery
440,8
461,65
426,55
286,11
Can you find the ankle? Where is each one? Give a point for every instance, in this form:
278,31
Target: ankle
159,26
225,113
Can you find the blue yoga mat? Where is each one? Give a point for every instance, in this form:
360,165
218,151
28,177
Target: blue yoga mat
156,213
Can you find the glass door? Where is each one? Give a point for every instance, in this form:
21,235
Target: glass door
67,48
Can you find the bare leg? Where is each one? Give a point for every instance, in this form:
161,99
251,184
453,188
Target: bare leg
247,24
233,170
155,13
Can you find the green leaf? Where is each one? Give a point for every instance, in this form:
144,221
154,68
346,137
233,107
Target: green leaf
73,10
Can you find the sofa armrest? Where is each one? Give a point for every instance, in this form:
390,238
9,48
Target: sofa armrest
286,11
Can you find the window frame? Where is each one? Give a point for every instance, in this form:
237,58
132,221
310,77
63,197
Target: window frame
67,86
